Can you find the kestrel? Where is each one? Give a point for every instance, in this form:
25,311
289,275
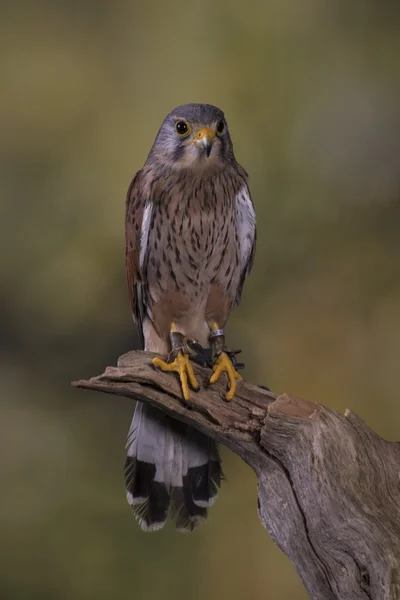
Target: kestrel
190,242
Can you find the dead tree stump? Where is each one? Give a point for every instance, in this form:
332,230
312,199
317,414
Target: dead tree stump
329,487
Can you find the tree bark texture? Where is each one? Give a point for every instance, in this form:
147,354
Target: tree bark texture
329,487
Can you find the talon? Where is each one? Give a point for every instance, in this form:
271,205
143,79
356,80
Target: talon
183,367
224,363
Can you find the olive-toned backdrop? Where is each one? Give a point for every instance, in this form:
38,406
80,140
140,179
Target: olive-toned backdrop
311,93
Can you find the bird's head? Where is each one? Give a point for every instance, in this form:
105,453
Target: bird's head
194,136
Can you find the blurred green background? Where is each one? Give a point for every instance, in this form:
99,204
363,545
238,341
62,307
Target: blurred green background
311,93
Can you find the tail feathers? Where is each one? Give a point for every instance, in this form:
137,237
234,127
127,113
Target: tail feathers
203,474
186,513
204,482
148,498
198,492
169,466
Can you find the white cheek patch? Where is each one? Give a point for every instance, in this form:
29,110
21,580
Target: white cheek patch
196,159
189,157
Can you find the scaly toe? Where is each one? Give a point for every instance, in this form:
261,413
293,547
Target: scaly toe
161,364
224,363
182,366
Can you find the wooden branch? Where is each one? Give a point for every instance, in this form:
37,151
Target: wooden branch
329,487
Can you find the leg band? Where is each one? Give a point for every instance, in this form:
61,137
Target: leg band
176,341
217,337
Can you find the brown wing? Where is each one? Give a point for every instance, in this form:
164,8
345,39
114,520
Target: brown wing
134,250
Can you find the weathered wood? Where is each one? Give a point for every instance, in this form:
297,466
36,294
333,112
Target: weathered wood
329,487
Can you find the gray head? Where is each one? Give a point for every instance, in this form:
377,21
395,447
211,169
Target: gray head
194,136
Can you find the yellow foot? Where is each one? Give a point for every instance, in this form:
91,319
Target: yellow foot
224,363
183,367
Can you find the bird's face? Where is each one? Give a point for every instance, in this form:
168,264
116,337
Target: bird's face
194,136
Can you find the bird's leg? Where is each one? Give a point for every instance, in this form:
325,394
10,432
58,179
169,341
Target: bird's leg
222,360
179,362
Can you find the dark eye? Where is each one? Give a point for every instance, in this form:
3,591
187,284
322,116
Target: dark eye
182,128
220,127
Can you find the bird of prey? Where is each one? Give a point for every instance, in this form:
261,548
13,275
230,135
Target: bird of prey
190,241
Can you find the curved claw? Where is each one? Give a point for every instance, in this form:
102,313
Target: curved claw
183,367
224,363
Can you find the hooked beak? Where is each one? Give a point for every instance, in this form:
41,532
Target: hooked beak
204,139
